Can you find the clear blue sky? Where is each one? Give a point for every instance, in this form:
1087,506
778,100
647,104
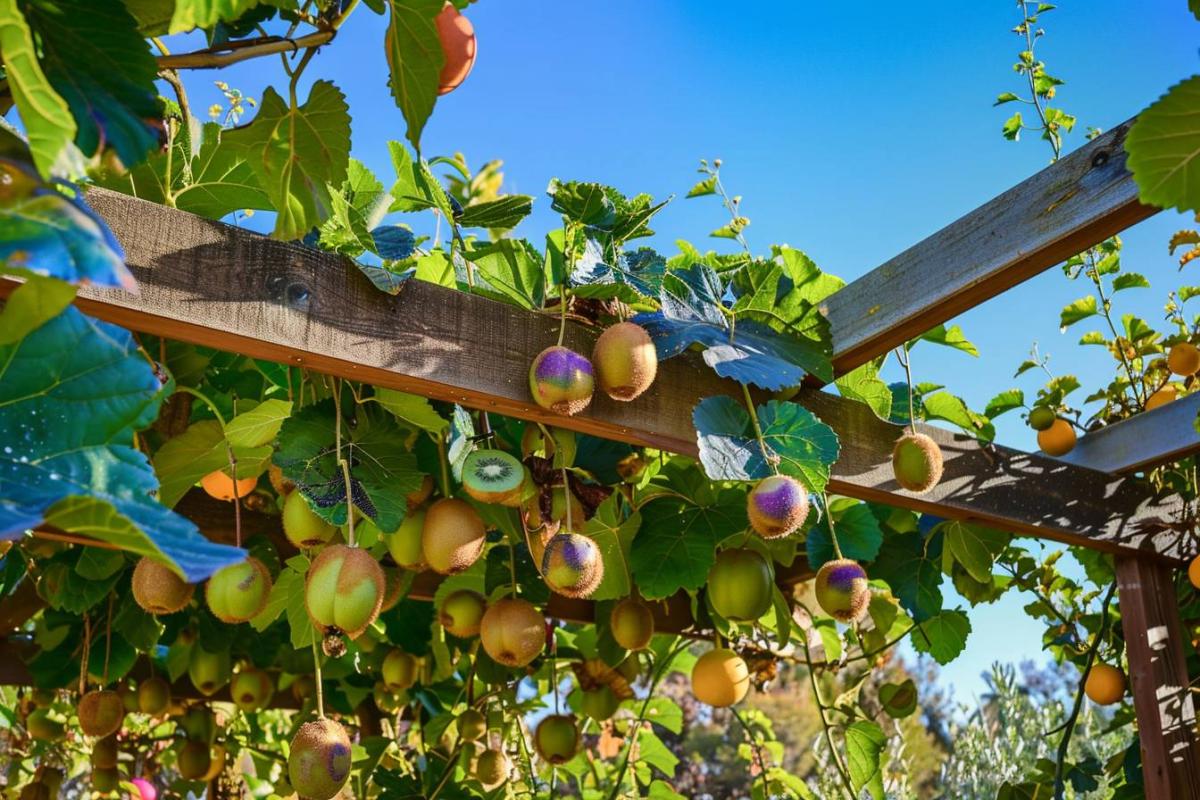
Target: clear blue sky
851,134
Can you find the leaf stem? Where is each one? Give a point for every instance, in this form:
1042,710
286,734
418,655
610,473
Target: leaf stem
758,434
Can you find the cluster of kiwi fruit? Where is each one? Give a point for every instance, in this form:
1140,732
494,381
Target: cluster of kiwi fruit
199,755
624,362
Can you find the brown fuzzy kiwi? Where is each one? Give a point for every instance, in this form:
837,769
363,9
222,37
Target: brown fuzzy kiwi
842,590
513,632
917,462
625,361
158,589
572,565
777,506
101,713
492,768
193,760
319,762
154,696
415,498
105,752
452,537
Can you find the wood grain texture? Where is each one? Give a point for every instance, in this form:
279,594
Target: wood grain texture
1074,203
1161,435
1165,707
213,284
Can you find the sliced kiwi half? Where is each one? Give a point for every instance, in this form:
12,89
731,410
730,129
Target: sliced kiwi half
492,476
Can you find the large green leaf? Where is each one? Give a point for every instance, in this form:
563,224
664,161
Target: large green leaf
415,59
297,154
44,113
189,14
499,214
911,566
184,459
865,743
258,426
676,543
1164,149
34,303
858,533
864,385
973,546
413,410
72,393
614,537
513,269
943,636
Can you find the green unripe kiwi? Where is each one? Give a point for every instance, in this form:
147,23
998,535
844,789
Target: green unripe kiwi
741,584
843,590
572,565
319,762
238,592
385,699
472,725
1041,417
462,612
154,696
453,536
625,360
492,768
917,463
405,543
632,624
344,590
105,780
209,671
44,726
129,696
193,760
599,704
105,753
157,589
303,526
513,632
252,688
630,668
399,670
199,724
101,712
556,738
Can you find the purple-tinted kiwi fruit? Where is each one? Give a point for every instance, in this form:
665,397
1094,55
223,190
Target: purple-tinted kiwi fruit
777,506
561,380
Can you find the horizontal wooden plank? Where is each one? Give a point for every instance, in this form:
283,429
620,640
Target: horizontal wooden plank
1161,435
213,284
1070,205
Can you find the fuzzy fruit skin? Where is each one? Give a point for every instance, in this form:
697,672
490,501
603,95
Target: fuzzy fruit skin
194,760
599,704
319,763
404,544
145,789
399,670
1184,359
105,753
626,361
917,463
208,671
462,612
158,589
1041,418
199,724
238,592
777,506
216,763
572,565
1058,439
561,380
1194,572
415,498
1105,685
720,678
472,725
740,584
251,689
344,590
43,727
302,525
385,699
492,768
101,713
154,696
1166,394
632,624
222,487
457,37
556,738
842,590
452,537
489,459
513,632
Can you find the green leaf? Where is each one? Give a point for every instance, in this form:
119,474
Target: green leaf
96,564
899,700
858,532
865,743
1164,149
1093,337
358,206
1005,97
44,113
942,636
864,385
502,213
1130,280
676,543
184,459
1004,402
911,567
33,304
652,751
258,426
296,154
415,60
1082,308
952,409
513,269
189,14
614,537
952,337
413,410
1012,127
973,546
705,187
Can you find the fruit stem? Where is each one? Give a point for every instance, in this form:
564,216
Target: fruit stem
758,434
343,462
317,675
83,657
837,548
567,499
441,445
904,356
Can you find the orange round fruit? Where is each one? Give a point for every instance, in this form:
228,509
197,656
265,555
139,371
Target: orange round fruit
1163,396
1194,572
1105,684
1058,439
223,487
720,678
457,36
1184,359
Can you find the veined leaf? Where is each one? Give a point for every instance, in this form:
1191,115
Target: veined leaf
34,303
1130,280
414,410
184,459
943,636
864,385
676,543
1082,308
865,743
858,532
704,187
950,337
415,59
1004,402
1164,149
614,538
190,14
502,213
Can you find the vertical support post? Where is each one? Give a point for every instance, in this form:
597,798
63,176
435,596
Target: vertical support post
1165,710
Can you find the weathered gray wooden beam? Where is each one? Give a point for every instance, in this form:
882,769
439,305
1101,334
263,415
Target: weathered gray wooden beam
1164,434
1070,205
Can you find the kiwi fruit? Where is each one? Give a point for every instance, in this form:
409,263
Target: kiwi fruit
129,697
1184,359
556,738
237,593
209,671
415,498
393,589
105,780
157,589
492,768
251,689
1041,417
303,526
572,565
777,506
279,483
545,441
720,678
741,584
493,476
632,624
599,703
385,699
472,725
625,360
193,760
220,486
105,752
1057,440
216,763
917,462
319,762
452,537
404,544
101,713
154,696
344,590
461,612
198,723
842,590
399,670
44,726
561,380
513,632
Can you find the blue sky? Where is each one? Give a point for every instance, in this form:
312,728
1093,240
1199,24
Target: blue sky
852,132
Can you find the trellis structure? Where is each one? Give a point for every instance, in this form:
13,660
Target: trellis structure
211,284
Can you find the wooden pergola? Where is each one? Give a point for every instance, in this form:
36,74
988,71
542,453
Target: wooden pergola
212,284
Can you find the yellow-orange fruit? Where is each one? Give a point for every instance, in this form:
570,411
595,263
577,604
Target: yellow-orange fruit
399,670
632,624
1058,439
457,37
278,482
462,612
416,498
452,537
223,487
1194,572
238,592
344,590
720,678
216,763
513,632
1105,684
777,506
101,713
917,462
625,361
1184,359
404,544
1165,395
158,589
319,762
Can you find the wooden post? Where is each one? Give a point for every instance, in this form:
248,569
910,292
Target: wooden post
1166,714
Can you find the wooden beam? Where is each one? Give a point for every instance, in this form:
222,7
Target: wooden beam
212,284
1161,435
1074,203
1163,702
